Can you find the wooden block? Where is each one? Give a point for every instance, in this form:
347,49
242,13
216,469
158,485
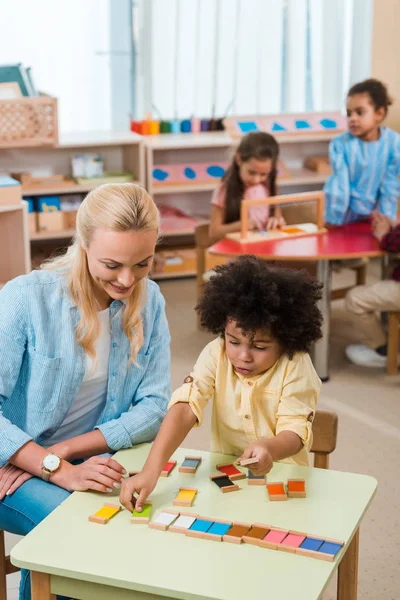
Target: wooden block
231,471
319,164
248,461
255,479
273,538
169,467
330,550
144,515
185,497
164,520
183,522
296,488
224,483
217,530
199,528
236,533
310,546
291,542
255,534
103,515
190,464
276,491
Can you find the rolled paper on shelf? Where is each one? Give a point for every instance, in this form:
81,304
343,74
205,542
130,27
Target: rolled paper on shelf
145,127
195,125
165,127
186,126
135,126
175,126
205,125
154,128
213,125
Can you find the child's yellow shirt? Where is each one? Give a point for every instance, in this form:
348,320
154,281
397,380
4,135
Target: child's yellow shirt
246,409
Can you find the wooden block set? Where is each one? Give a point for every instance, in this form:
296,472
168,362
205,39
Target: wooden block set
296,488
108,511
257,534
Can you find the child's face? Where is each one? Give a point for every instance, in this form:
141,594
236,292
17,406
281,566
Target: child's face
253,171
250,355
362,118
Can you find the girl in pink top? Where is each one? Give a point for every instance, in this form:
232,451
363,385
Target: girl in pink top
252,175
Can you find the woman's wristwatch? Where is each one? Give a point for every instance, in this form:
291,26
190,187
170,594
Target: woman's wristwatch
50,464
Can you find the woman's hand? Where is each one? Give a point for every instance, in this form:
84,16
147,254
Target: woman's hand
259,450
11,478
99,473
381,225
142,484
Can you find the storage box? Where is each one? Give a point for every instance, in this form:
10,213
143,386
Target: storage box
69,219
32,215
48,204
10,191
319,164
28,122
175,261
51,221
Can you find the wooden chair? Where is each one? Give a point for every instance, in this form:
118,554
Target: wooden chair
325,428
202,239
5,567
393,343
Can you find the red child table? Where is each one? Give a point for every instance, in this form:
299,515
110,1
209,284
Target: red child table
350,241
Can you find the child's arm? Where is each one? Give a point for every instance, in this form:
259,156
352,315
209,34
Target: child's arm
178,422
337,188
218,229
293,429
186,410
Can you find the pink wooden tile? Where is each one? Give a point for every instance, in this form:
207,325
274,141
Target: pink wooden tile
293,540
275,536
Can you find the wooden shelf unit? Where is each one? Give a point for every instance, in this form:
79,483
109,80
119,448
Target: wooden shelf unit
14,242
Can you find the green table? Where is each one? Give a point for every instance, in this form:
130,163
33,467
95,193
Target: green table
73,557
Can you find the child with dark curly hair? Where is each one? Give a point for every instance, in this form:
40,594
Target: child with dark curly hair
258,372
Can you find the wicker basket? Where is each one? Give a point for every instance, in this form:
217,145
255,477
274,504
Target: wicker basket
28,122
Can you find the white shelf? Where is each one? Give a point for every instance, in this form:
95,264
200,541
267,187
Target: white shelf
73,188
86,139
11,207
52,235
298,177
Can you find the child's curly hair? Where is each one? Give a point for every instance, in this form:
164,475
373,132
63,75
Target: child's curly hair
258,297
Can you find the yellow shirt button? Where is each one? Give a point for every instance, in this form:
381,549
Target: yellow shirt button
247,416
249,383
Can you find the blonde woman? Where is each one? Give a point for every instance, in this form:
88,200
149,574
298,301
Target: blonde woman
85,364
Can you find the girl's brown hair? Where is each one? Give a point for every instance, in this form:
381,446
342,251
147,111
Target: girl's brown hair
261,146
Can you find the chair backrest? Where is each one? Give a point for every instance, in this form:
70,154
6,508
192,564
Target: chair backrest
325,428
5,567
202,237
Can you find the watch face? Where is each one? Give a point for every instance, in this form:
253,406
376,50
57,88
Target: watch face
51,462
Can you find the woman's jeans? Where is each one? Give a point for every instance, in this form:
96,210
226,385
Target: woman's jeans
24,509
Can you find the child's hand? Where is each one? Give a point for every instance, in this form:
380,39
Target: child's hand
259,450
142,484
275,223
381,225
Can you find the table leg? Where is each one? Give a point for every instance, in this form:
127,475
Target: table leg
40,586
320,351
348,571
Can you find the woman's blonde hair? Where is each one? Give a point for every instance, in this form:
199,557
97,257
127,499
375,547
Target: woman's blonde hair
119,207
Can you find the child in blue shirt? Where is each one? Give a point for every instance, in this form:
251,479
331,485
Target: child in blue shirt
365,160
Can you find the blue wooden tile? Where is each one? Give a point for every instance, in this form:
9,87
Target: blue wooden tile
330,548
190,462
312,544
219,528
201,525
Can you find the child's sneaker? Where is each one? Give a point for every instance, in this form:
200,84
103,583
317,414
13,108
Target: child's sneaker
364,356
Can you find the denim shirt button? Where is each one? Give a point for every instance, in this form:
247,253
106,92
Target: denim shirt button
114,344
114,374
112,398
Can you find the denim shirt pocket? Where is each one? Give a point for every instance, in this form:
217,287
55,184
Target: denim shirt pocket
43,381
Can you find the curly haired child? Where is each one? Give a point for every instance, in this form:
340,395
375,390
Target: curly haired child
257,371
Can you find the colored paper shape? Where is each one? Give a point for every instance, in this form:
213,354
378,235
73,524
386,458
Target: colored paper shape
328,123
190,173
302,124
247,126
160,175
215,171
278,127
